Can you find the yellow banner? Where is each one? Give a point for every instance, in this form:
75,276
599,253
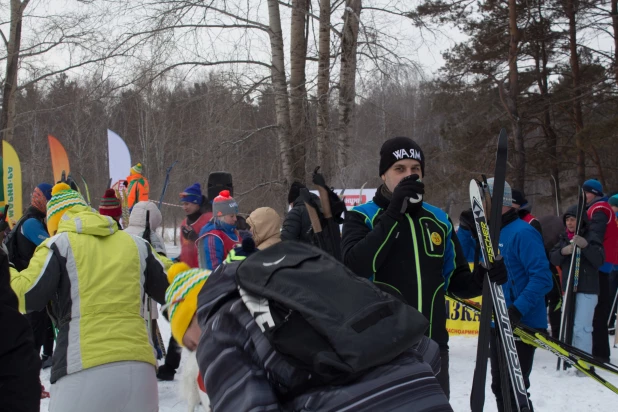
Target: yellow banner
460,320
12,182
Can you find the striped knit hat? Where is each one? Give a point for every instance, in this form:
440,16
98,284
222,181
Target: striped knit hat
63,198
181,296
137,169
110,204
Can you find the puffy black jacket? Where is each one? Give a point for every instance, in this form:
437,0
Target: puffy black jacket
419,256
592,257
297,225
20,247
243,372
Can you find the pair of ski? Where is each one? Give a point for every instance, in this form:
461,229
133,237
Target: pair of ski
512,378
568,302
575,357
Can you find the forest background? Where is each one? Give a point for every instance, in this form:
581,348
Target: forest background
268,90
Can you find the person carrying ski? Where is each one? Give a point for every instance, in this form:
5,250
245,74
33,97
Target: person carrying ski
529,280
29,232
95,277
409,245
296,225
587,289
603,224
138,189
110,206
220,235
198,213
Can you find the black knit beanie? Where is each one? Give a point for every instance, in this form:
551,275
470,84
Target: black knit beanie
295,191
398,148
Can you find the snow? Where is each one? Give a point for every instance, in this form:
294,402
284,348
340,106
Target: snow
551,391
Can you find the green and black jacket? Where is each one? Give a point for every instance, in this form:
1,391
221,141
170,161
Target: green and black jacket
419,256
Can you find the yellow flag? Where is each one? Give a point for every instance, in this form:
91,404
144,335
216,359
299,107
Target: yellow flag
12,182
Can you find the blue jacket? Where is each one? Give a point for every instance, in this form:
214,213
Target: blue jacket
468,245
213,249
530,279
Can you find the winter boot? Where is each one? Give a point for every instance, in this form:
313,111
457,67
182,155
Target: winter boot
165,373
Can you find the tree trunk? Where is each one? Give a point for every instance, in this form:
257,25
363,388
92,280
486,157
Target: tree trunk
282,107
519,158
614,14
577,105
7,116
323,121
347,86
298,91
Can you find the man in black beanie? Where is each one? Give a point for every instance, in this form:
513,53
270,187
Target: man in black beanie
297,225
403,243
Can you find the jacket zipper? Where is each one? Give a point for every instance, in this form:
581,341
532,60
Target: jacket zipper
429,236
418,266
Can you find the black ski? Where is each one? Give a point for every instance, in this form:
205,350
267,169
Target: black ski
167,180
568,304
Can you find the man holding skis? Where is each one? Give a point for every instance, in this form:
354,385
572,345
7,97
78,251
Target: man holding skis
529,280
410,246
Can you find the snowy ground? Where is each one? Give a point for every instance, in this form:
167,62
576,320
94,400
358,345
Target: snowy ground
550,391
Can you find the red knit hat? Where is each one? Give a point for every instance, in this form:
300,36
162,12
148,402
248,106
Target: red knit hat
224,204
110,204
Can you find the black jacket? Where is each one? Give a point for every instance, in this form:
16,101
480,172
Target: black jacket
297,225
20,247
20,389
419,256
592,258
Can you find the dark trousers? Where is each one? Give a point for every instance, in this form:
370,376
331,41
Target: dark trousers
443,376
43,331
600,339
526,359
613,297
172,359
553,301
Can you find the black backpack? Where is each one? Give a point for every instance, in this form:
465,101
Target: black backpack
322,317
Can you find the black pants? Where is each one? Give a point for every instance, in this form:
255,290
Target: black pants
172,359
43,331
600,339
526,358
443,376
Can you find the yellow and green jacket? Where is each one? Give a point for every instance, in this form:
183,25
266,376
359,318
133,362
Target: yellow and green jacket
94,278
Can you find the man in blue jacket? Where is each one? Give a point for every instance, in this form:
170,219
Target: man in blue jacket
529,280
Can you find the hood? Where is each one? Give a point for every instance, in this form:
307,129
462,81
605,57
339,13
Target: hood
83,220
133,177
572,211
138,216
265,224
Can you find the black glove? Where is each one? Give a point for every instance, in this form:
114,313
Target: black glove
409,190
497,273
514,315
466,220
189,234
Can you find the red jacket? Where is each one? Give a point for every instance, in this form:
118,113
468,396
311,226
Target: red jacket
188,249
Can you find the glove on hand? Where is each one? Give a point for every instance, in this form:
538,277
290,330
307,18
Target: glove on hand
497,273
407,197
580,241
189,233
514,315
567,250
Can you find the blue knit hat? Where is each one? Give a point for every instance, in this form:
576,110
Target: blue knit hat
613,201
593,186
192,194
46,189
507,198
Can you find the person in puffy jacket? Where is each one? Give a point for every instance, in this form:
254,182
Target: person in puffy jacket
138,189
241,371
94,277
587,290
198,211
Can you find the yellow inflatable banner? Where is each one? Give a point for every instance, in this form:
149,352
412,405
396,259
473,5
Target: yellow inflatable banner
12,182
460,320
